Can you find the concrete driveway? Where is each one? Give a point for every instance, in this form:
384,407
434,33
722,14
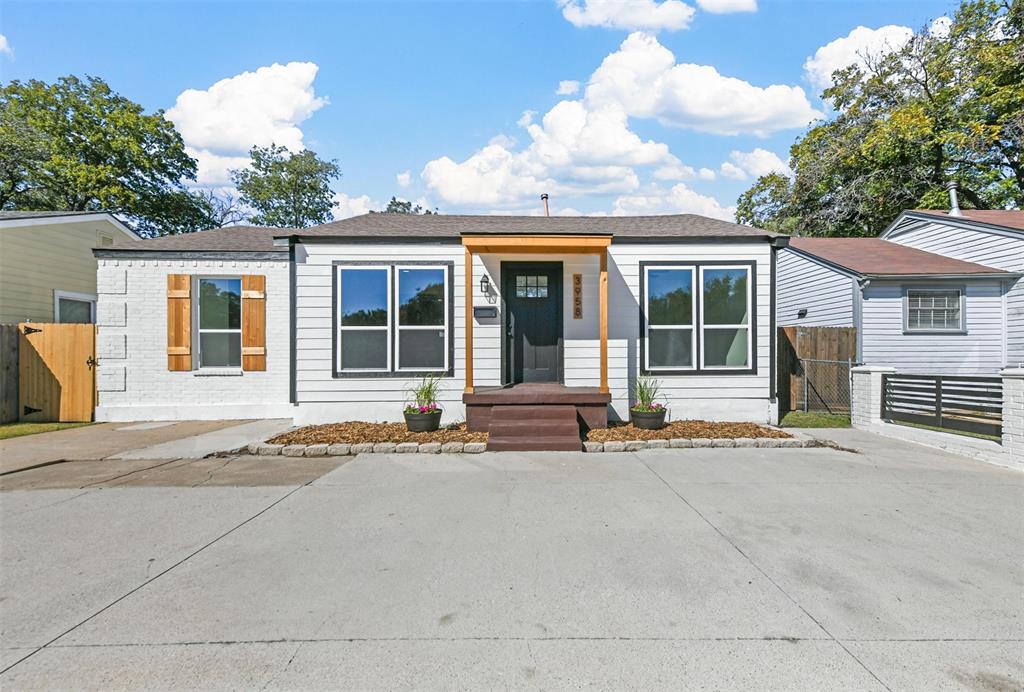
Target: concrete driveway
897,567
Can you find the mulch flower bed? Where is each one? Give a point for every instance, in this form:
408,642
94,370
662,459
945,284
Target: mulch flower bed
685,429
358,431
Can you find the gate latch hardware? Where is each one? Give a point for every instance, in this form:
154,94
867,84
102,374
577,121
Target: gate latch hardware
92,362
29,410
31,330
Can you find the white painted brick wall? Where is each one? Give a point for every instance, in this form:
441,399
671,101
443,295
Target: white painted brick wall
132,332
1013,416
866,395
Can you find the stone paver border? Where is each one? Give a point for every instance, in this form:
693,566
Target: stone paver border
341,449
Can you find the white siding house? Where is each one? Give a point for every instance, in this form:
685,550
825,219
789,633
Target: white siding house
934,294
342,340
992,238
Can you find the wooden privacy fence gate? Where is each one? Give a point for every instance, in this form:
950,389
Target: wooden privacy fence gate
56,372
954,402
814,368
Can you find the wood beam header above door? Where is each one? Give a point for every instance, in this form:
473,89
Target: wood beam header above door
538,244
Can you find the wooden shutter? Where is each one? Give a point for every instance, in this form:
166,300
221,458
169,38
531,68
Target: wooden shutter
179,322
254,322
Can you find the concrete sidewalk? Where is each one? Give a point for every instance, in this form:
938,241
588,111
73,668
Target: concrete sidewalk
896,567
144,440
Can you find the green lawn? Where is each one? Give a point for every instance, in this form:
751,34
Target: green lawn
814,419
9,430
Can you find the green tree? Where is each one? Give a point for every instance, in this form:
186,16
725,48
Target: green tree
945,107
75,145
767,204
401,206
287,190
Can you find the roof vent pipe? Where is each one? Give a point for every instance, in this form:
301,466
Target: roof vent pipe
954,205
544,199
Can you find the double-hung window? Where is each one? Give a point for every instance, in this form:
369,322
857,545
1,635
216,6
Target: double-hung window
393,318
934,310
697,317
220,322
671,336
725,317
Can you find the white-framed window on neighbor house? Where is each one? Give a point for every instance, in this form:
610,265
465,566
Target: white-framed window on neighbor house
725,317
219,320
75,308
670,306
697,317
933,310
422,326
364,319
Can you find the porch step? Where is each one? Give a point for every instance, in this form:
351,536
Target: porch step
534,427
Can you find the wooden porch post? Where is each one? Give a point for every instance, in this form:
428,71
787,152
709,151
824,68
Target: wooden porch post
469,322
603,288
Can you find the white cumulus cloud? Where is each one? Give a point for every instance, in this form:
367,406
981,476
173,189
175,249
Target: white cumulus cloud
855,48
727,6
586,146
346,205
647,15
679,199
567,87
642,76
403,179
753,164
220,124
5,46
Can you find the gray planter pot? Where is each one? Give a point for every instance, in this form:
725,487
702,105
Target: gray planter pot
423,422
648,420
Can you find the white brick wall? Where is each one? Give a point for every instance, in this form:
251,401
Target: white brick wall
1013,416
133,380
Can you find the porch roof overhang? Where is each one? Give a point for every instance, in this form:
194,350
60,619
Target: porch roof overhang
537,244
575,244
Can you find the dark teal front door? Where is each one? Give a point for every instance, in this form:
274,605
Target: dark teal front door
533,321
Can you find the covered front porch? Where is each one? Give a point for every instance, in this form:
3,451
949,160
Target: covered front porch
535,310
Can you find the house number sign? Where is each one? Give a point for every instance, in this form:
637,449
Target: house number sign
577,296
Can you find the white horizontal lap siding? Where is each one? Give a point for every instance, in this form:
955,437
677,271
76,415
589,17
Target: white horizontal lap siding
1003,250
715,397
133,381
803,284
320,396
979,351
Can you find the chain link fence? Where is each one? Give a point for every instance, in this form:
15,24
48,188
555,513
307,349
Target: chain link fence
823,385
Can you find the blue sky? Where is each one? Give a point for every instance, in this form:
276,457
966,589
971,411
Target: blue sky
692,102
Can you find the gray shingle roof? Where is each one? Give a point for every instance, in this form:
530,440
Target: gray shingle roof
454,226
445,226
4,215
229,238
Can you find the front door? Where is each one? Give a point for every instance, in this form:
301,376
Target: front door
533,321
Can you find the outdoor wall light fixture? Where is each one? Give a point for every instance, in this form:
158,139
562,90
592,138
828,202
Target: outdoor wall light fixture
485,285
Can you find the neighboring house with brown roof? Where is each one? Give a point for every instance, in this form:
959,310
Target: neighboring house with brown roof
47,270
338,321
934,293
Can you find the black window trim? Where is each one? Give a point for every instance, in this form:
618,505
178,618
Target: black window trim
393,372
697,370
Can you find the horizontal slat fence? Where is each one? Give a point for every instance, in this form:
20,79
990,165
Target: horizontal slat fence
963,403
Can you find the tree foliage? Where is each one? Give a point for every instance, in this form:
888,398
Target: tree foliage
948,106
401,206
287,190
75,145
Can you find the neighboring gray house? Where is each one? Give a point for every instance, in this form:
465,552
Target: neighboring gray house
934,293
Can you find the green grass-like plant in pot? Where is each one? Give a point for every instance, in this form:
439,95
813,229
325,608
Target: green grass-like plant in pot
423,413
647,412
